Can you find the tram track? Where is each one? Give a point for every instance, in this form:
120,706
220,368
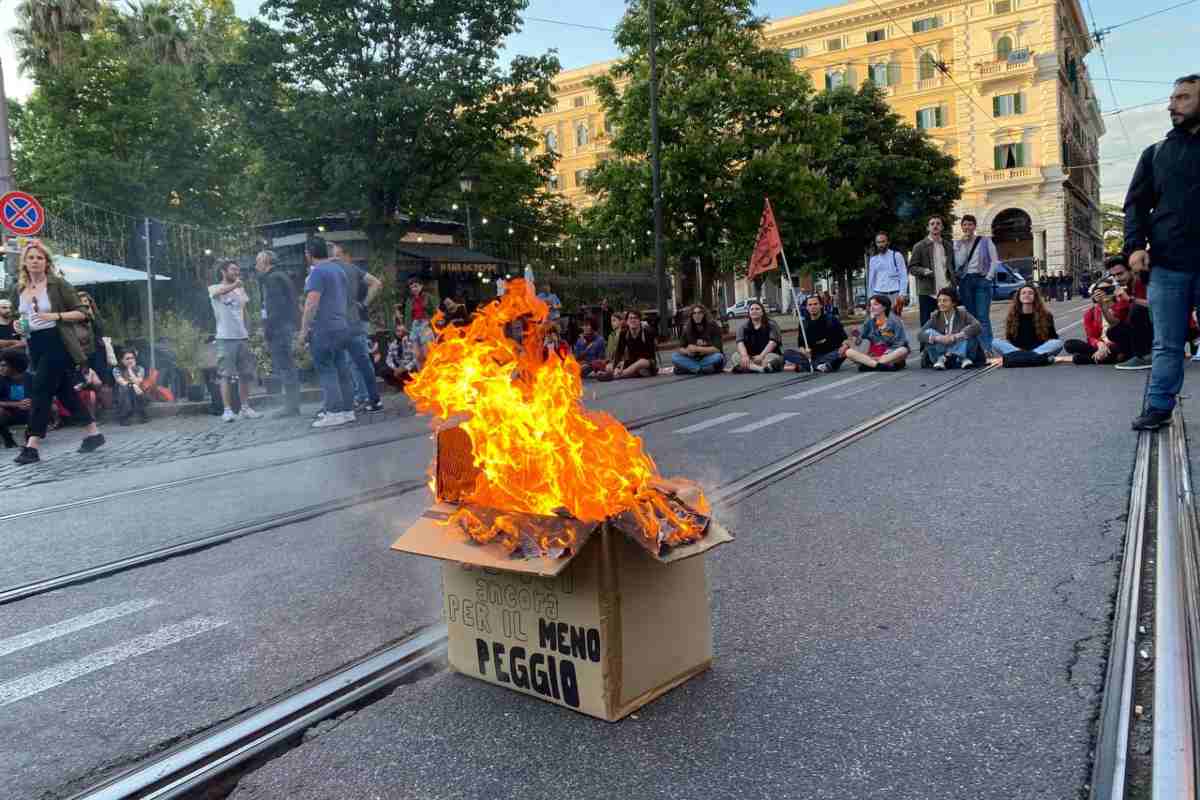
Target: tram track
219,756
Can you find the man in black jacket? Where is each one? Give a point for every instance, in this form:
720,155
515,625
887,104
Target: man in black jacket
1162,210
281,318
825,335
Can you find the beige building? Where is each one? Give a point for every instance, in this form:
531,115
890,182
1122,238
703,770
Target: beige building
998,84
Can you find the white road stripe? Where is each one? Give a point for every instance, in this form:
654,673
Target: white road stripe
860,390
24,640
699,426
37,682
825,388
762,423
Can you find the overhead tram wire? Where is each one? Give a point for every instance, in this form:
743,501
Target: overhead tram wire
1098,36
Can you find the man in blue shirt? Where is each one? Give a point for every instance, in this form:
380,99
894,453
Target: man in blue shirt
324,319
16,393
887,273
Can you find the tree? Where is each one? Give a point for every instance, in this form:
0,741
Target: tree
377,107
48,30
1112,226
736,124
897,176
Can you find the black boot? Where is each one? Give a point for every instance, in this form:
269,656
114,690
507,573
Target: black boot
1152,420
28,455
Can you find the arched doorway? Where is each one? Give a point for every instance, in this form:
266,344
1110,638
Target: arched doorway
1012,231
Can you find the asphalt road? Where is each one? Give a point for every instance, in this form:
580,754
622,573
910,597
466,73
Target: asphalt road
983,552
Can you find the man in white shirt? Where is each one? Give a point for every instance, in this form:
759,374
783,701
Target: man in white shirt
235,362
887,274
975,262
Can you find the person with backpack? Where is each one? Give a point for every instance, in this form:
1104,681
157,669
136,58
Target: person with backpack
1162,229
975,261
887,273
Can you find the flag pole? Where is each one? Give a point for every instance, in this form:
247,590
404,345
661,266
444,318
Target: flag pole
796,307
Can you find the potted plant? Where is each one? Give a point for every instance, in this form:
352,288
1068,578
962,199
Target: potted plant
187,340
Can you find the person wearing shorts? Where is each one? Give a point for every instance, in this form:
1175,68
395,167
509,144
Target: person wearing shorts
235,362
419,308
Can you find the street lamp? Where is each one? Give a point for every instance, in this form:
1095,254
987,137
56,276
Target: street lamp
467,184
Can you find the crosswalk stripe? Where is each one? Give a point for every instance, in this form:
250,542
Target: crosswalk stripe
825,388
762,423
68,626
37,682
699,426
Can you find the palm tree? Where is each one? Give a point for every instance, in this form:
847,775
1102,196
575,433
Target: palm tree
45,26
153,27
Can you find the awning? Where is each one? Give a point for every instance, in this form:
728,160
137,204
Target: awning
82,272
449,258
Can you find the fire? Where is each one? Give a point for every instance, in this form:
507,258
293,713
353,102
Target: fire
537,449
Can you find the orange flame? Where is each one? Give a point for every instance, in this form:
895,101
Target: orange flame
539,451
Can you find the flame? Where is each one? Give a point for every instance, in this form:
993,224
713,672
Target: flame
538,449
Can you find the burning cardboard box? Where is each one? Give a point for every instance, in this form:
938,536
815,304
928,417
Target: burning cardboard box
574,572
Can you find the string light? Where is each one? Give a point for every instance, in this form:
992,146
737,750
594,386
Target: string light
511,231
484,220
454,207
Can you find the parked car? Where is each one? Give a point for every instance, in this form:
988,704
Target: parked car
1007,282
739,309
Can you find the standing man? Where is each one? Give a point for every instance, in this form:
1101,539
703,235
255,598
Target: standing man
235,362
975,261
281,318
1162,210
933,266
886,272
362,287
324,319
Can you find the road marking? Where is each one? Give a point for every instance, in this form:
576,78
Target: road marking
24,640
853,393
825,388
699,426
762,423
37,682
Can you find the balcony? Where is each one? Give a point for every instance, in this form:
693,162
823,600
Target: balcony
988,71
929,83
1012,177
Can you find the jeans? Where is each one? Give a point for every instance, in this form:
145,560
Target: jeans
53,376
975,291
333,369
1172,295
832,359
926,305
936,351
362,371
1050,347
693,366
283,366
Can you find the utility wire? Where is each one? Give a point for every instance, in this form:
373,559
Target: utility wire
569,24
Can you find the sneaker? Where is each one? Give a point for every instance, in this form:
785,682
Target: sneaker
940,363
372,408
28,455
1196,355
228,416
967,363
1151,420
91,443
822,368
333,420
349,416
249,413
1138,362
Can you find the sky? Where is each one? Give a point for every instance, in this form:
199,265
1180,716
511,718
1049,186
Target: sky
1142,58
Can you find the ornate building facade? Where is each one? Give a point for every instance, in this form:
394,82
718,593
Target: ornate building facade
998,84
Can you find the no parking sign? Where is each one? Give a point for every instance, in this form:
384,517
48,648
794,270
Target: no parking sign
21,213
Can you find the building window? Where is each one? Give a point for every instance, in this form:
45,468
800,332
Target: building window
579,101
581,176
926,24
552,183
794,53
930,118
550,139
1005,105
876,36
1010,156
926,67
835,78
833,44
884,74
1001,6
1004,47
581,134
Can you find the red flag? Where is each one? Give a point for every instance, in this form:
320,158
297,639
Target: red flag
768,247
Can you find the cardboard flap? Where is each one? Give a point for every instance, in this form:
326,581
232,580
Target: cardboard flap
717,535
431,536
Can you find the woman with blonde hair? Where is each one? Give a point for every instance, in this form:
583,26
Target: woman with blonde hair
49,307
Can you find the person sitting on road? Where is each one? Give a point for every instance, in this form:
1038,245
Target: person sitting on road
589,349
759,343
882,339
552,342
131,397
819,345
1117,326
951,334
1030,339
701,351
401,360
635,355
16,393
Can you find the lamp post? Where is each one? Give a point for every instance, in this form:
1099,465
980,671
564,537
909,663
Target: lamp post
467,184
6,184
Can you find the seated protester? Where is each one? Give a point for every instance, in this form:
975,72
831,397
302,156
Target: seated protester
1030,339
882,337
16,393
701,351
589,349
1117,325
759,343
401,360
635,355
131,397
951,334
824,335
552,343
454,313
